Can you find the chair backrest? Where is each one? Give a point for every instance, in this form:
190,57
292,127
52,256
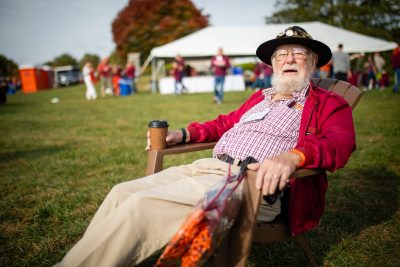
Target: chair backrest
349,92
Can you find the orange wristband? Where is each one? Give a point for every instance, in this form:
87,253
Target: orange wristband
302,157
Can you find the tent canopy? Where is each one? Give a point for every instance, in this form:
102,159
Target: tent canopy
244,40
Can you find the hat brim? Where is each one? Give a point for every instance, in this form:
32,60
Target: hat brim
266,50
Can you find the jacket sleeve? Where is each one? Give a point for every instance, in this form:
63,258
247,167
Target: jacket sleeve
213,130
332,145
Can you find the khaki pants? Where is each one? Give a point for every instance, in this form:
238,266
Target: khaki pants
139,217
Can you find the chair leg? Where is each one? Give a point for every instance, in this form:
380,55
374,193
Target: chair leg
154,162
220,257
302,242
237,243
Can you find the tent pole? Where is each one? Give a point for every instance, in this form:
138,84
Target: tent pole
161,68
145,64
153,75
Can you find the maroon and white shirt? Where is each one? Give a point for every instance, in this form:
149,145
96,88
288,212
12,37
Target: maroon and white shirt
266,130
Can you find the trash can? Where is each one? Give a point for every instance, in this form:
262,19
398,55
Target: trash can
125,86
237,70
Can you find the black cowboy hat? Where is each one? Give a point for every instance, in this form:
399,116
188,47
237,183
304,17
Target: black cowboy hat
294,35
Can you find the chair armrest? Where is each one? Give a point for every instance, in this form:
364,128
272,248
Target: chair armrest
299,173
191,147
155,158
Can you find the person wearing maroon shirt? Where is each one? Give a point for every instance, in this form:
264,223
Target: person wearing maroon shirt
220,65
129,73
263,74
291,125
178,69
395,60
104,72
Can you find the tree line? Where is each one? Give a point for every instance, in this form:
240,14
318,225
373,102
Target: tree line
376,18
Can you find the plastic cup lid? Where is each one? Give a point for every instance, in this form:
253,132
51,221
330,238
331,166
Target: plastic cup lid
158,124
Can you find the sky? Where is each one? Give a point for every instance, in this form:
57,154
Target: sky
35,31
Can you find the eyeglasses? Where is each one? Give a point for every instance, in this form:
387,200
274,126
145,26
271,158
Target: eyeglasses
297,53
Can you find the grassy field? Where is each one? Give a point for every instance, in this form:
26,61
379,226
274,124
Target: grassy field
58,161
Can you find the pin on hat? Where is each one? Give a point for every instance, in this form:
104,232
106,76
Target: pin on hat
294,35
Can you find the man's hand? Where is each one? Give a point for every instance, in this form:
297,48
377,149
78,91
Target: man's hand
275,172
173,137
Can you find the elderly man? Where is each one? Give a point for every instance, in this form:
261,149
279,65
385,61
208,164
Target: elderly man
291,125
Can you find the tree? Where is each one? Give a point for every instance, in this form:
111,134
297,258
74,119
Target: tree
63,60
142,25
116,59
8,68
93,58
377,18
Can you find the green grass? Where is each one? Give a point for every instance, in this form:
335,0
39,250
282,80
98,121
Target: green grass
58,161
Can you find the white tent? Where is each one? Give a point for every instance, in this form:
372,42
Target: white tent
242,41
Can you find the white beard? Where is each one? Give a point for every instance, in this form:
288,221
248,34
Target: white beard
288,85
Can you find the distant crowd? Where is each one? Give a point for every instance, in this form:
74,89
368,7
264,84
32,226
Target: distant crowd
364,70
113,79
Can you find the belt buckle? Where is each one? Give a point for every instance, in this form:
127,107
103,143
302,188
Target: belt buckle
224,158
237,162
228,159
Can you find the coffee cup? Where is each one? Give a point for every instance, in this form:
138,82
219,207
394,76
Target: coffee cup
158,132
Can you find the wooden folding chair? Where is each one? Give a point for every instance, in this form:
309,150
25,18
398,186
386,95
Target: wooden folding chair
246,230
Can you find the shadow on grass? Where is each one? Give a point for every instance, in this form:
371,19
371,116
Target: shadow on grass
30,154
13,104
357,199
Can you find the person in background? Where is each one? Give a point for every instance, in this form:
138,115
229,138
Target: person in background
371,70
129,73
88,79
380,72
115,77
104,72
395,60
357,78
12,85
258,76
220,65
292,125
3,90
263,75
178,71
325,70
267,71
341,64
189,71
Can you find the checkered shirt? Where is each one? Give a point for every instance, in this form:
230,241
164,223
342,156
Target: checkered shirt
274,134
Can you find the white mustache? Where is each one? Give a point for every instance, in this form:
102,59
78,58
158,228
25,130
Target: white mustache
291,67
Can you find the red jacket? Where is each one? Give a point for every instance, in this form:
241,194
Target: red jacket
327,139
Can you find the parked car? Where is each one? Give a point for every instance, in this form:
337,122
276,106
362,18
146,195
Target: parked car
66,75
